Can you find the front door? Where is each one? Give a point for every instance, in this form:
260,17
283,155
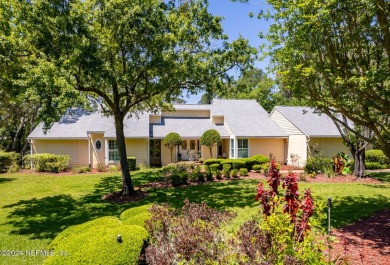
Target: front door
155,152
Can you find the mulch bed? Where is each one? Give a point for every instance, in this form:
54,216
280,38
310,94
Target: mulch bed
366,241
118,198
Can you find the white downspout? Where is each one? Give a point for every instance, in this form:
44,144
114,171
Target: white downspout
89,150
31,153
106,151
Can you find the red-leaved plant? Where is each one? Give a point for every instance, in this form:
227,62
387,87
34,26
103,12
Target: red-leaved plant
299,210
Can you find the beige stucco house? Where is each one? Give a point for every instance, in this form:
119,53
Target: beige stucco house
308,133
89,138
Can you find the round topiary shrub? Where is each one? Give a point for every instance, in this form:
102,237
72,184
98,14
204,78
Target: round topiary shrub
95,242
257,168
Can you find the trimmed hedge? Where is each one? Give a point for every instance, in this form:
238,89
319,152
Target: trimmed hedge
95,242
257,168
234,163
48,162
374,165
250,162
211,161
7,159
377,156
261,159
243,172
132,161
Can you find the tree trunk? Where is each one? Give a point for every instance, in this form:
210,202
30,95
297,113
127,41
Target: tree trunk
211,152
127,185
360,157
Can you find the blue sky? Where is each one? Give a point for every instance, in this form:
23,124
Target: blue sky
237,21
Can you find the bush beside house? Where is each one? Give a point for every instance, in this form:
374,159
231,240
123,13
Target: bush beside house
8,161
48,162
375,159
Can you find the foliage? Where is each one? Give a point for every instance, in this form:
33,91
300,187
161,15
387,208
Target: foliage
377,156
234,163
209,174
7,160
226,170
261,159
210,161
171,141
132,161
140,59
250,162
318,165
136,215
196,175
234,173
218,174
48,162
101,167
81,169
257,168
375,165
192,235
96,242
210,138
334,55
243,172
214,167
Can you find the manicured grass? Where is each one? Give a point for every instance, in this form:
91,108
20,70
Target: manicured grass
35,208
382,176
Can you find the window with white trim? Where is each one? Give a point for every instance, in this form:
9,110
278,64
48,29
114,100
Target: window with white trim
243,150
113,153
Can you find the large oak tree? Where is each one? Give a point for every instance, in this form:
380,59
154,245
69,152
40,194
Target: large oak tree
335,56
129,55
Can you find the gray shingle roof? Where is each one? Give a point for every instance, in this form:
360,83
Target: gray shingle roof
246,118
310,122
185,127
77,122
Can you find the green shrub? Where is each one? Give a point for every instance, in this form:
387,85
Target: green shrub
7,160
243,172
318,164
101,167
48,162
81,169
136,215
129,213
211,161
214,167
95,242
218,174
257,168
378,157
234,163
132,162
226,170
234,173
209,174
261,159
250,162
178,179
196,174
375,165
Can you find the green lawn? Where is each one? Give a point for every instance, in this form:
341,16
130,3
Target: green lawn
35,208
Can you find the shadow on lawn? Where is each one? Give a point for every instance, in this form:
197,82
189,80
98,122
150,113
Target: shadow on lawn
350,209
6,179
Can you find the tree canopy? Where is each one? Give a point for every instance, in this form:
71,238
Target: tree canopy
210,138
171,141
129,56
335,56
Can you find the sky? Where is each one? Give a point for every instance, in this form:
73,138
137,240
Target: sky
237,22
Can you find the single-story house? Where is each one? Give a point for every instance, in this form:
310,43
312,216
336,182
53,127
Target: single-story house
89,138
309,133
